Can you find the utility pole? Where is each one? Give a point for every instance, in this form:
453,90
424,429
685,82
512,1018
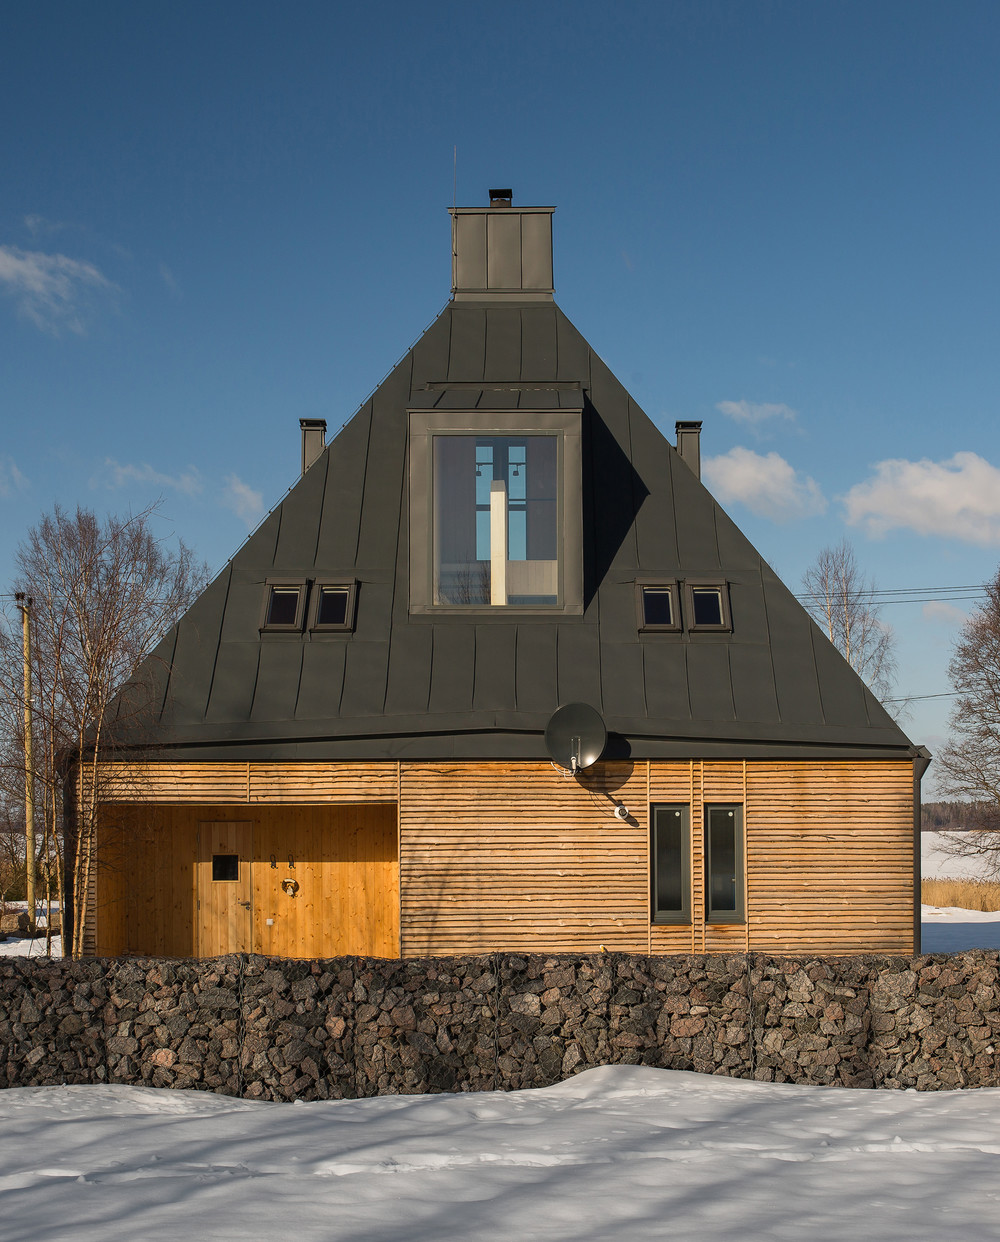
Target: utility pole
24,603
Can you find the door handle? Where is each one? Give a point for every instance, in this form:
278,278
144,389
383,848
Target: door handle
244,904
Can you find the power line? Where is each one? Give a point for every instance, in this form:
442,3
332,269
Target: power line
919,698
905,595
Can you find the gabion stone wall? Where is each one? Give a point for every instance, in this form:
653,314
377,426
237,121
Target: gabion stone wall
279,1029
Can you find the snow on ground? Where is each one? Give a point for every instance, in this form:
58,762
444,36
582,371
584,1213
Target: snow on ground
618,1153
17,946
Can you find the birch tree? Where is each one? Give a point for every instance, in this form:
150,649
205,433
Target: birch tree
969,766
104,592
843,602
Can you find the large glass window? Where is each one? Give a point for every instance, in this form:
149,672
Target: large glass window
496,510
724,864
671,864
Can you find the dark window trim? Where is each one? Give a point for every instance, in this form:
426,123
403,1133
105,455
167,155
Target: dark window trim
296,625
727,617
673,917
350,585
659,584
423,426
739,914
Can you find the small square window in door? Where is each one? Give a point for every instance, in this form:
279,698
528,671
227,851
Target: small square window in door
225,867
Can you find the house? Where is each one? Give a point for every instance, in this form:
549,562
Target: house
350,754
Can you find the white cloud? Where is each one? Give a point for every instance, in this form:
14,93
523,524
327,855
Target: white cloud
768,486
11,479
51,290
753,413
243,500
947,614
37,225
188,481
958,498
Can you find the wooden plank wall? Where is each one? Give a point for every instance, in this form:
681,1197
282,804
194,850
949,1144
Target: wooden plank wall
345,862
515,856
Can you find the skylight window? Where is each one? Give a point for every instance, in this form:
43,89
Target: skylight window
707,606
659,608
284,604
332,606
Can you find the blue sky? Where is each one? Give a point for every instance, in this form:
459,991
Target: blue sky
780,218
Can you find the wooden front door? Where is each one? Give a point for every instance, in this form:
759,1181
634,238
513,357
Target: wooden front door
223,917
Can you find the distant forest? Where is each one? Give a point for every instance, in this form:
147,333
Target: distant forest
953,816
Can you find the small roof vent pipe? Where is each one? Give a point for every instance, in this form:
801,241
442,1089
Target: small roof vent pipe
313,440
689,445
501,198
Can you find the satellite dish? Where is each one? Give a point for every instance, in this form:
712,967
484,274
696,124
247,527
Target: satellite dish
575,736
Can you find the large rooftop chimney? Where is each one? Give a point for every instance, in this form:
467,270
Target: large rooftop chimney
501,252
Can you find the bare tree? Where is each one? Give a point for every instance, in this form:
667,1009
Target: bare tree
842,601
969,766
104,593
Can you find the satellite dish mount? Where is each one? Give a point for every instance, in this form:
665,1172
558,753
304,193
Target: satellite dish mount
575,737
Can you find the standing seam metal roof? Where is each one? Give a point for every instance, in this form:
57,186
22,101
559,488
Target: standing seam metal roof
464,686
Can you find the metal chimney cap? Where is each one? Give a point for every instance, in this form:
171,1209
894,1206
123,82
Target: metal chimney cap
501,198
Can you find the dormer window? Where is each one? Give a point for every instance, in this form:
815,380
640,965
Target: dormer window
495,511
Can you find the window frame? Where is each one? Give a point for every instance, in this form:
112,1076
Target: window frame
692,584
683,916
296,625
424,425
313,624
668,584
737,916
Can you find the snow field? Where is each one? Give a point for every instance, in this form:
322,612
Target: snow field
615,1153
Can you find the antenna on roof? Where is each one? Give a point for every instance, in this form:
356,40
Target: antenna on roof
454,190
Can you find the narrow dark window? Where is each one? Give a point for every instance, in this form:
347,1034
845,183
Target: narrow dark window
671,864
658,606
724,864
707,606
225,866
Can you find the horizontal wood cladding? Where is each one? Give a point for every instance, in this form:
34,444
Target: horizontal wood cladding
830,857
228,783
516,856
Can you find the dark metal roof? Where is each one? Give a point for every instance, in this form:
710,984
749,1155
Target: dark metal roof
460,686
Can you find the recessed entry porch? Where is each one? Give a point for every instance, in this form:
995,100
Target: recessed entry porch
291,881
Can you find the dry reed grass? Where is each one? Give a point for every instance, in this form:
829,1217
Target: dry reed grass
966,894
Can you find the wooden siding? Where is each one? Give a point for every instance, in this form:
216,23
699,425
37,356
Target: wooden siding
227,783
153,872
515,856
